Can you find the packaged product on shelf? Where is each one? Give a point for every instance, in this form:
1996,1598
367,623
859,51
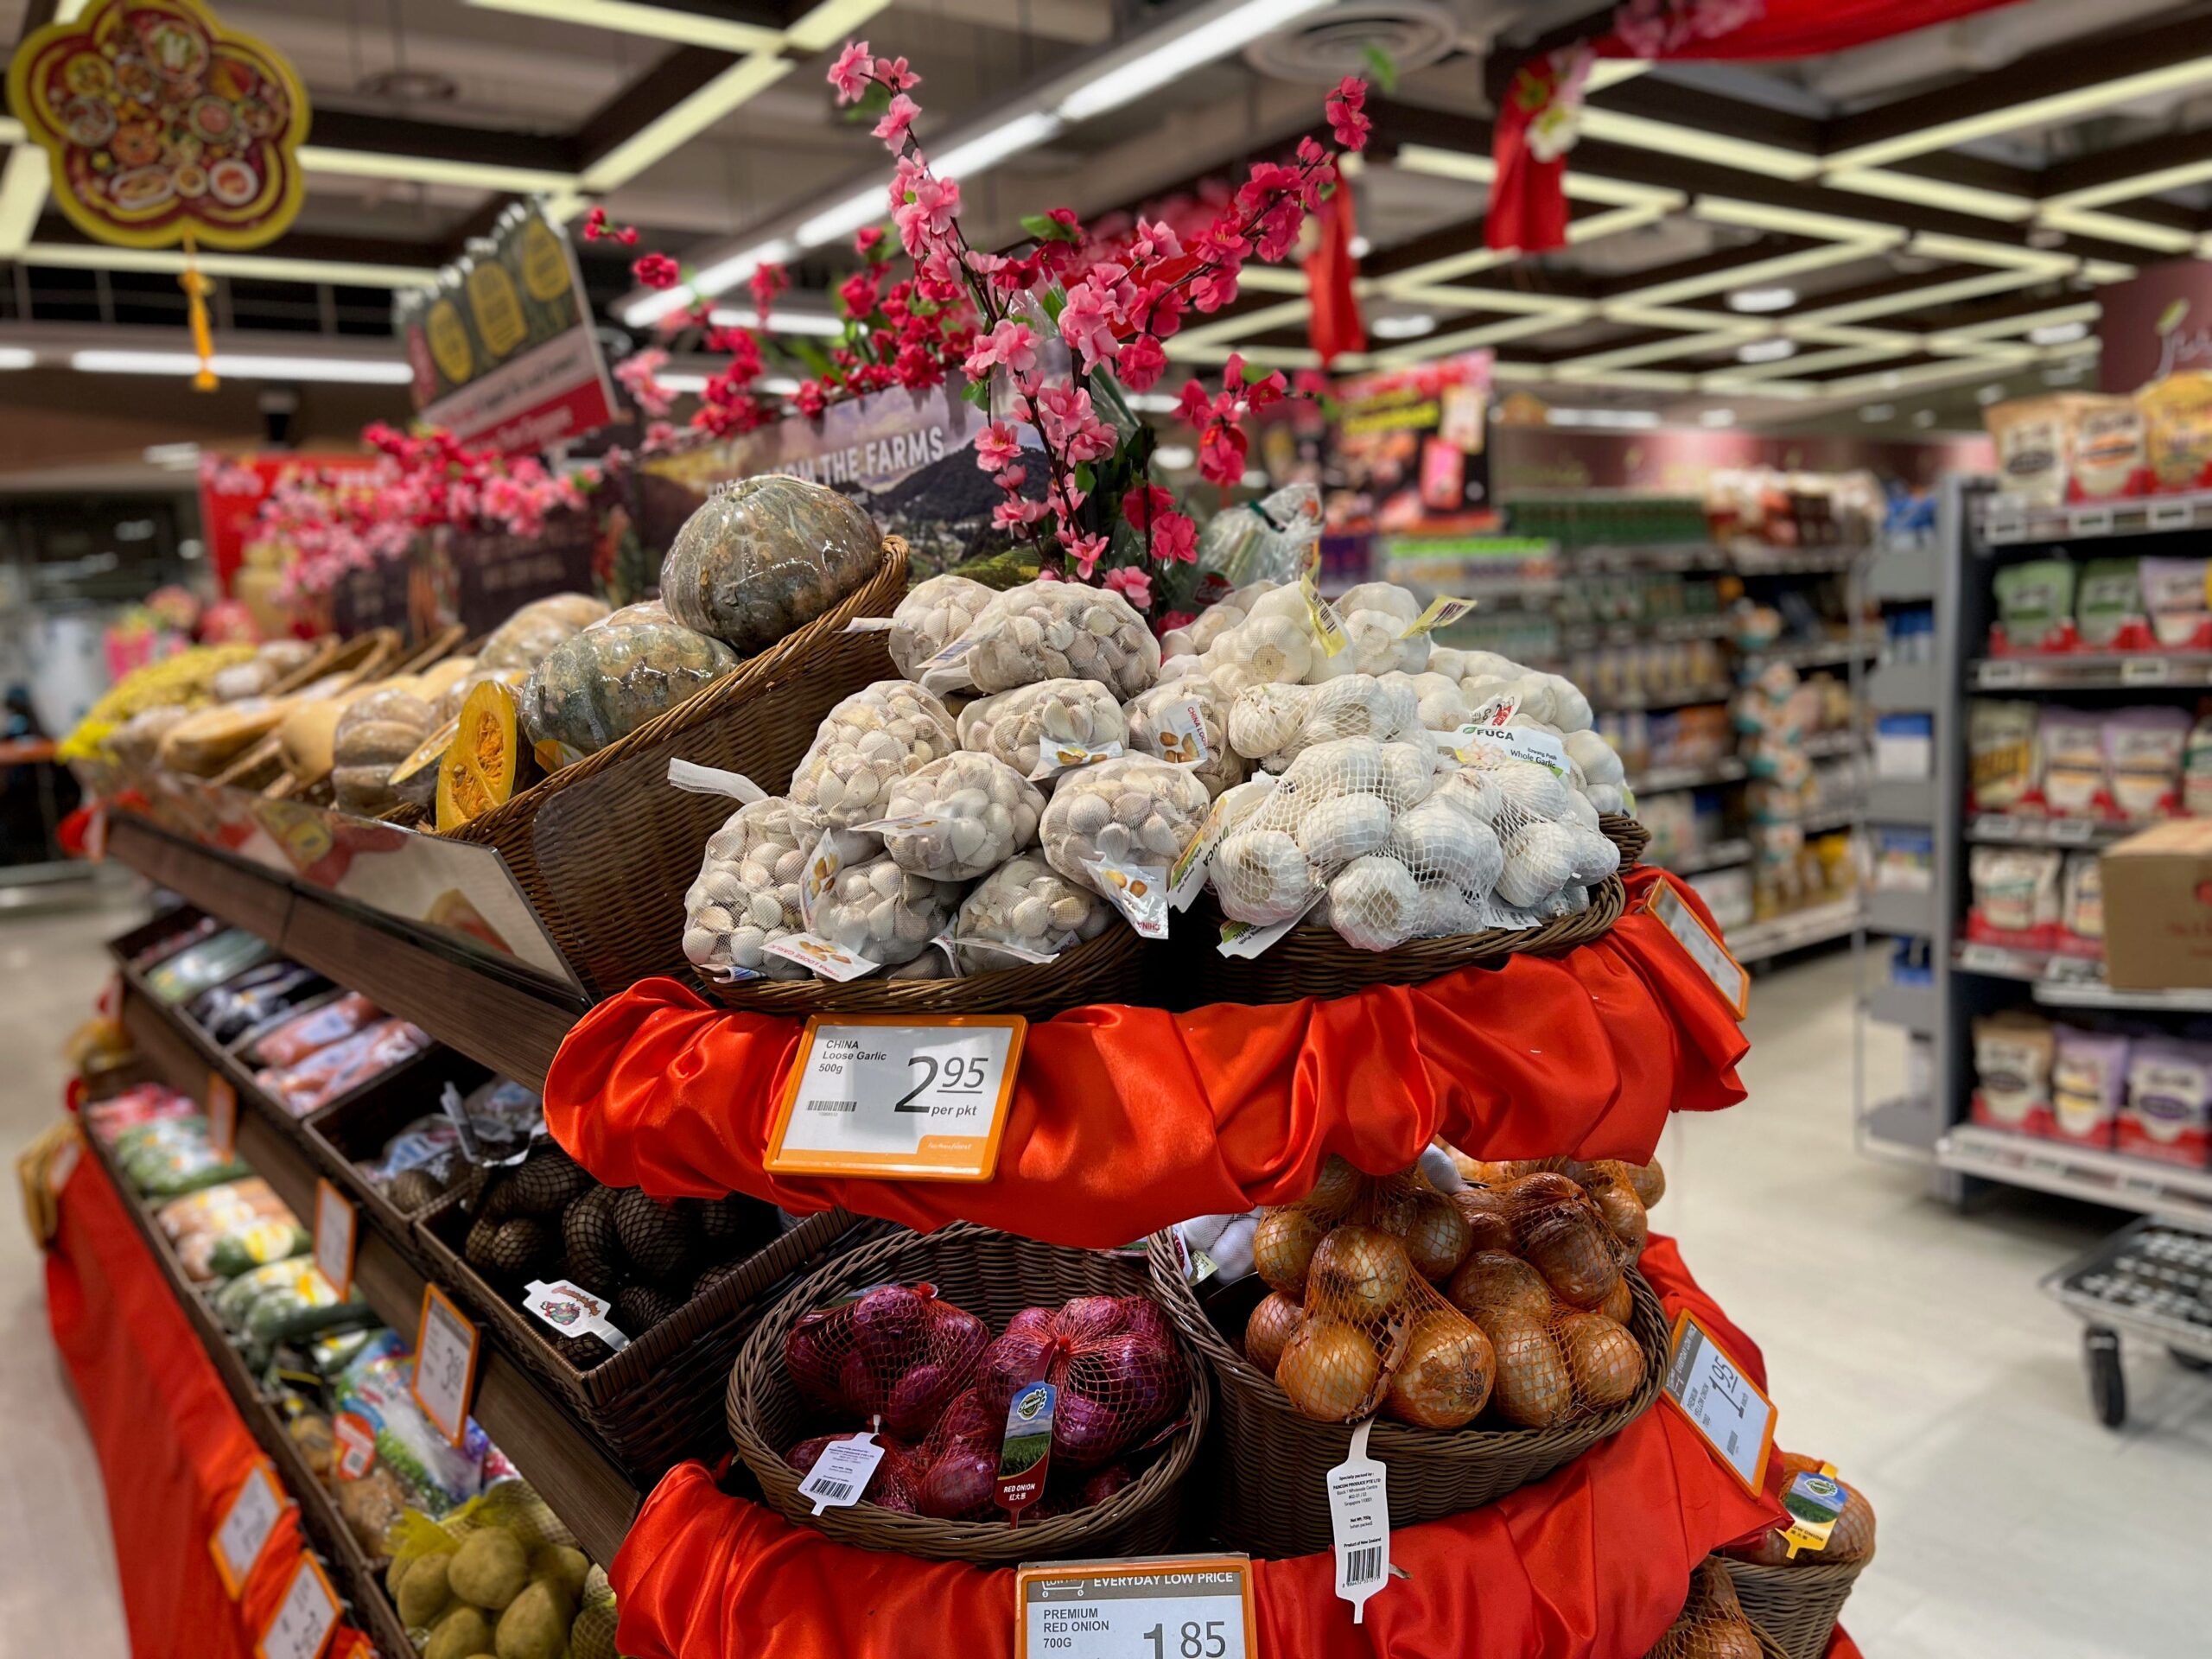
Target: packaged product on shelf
1025,904
2001,753
1122,815
215,1207
2081,904
2143,760
2072,745
1728,895
500,1574
2013,1053
2175,596
1272,725
2197,770
959,818
1904,860
2108,605
1052,631
2150,880
317,1028
419,1466
2089,1078
2178,429
423,1159
2168,1115
763,557
253,998
1187,721
1033,728
205,964
1904,746
887,915
2015,896
145,1102
747,896
2035,606
343,1066
2074,447
609,679
170,1156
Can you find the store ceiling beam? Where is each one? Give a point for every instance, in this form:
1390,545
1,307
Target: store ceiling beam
500,148
2130,172
679,75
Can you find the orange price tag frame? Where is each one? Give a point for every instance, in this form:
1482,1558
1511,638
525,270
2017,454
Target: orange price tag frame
1705,947
308,1564
222,1116
1683,1322
459,1431
934,1157
266,1472
1041,1573
325,1193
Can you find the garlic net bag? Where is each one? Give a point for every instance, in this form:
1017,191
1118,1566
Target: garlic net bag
1196,638
1131,813
747,896
876,910
1018,726
864,745
1712,1624
934,614
1336,803
969,813
1275,644
1551,701
1184,721
1026,904
1274,724
1438,700
898,1353
1375,615
1052,630
1549,841
1355,1323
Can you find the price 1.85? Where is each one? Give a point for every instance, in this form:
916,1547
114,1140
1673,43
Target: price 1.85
1192,1640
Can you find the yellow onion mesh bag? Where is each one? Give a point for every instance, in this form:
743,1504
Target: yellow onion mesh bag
1274,724
1712,1624
891,1357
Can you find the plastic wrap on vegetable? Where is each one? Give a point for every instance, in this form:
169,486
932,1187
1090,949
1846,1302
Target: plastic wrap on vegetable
876,910
1025,904
372,736
933,616
970,813
1054,631
1336,804
611,678
1274,724
866,743
319,1027
1019,726
764,556
1135,812
747,896
1266,540
330,1072
1186,721
521,642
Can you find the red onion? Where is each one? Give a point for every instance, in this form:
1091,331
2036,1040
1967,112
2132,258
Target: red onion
969,1420
1030,1321
804,1456
959,1484
858,1391
811,1361
1104,1485
916,1399
1113,1392
887,1324
1085,1431
1087,1317
1011,1365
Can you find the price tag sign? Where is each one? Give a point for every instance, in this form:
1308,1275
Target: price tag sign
1995,826
841,1474
2172,515
244,1530
1728,975
222,1116
445,1364
304,1619
335,1223
897,1098
1359,1523
1983,959
1147,1607
2146,670
1723,1405
2002,672
2093,521
356,1444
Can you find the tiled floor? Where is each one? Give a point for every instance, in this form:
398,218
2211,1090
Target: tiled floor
1905,1342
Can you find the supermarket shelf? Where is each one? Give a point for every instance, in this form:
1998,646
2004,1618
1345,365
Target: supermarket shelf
2082,1173
1718,691
505,1022
2063,981
1659,779
1672,556
1816,924
1582,635
2015,526
2092,672
1902,687
1831,819
1901,575
1813,653
1827,745
1914,1008
1721,856
1776,561
1901,800
1999,828
1907,913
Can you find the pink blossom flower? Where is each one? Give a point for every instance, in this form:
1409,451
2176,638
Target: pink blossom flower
1011,343
1143,504
1132,584
1192,406
1141,363
1211,290
894,73
1016,514
1221,455
849,74
656,270
996,446
659,435
1011,479
1071,425
1085,552
896,119
1087,324
637,373
1174,539
1175,620
1345,109
809,397
865,239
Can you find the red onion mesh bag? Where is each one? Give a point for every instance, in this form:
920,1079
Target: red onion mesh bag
897,1478
897,1352
1712,1624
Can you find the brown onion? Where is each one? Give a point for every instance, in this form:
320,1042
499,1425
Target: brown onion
1269,1330
1533,1389
1444,1379
1649,1182
1335,1184
1623,1214
1491,1284
1282,1248
1490,1226
1532,1195
1727,1638
1359,1274
1574,1252
1329,1371
1603,1358
1437,1238
1619,1305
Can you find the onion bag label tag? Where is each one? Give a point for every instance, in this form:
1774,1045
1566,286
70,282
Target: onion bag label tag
1186,877
574,1311
1359,1518
1248,939
1516,741
1815,1504
947,670
841,1474
1025,1448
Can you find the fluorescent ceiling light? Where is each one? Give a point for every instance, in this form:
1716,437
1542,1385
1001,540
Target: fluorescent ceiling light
831,21
2023,322
23,197
1782,265
622,16
1959,288
692,383
1972,251
1664,316
1827,334
1611,126
2115,227
1933,192
1490,299
2058,333
1878,412
85,256
1446,163
986,149
1444,270
1611,72
649,308
1619,220
1763,299
1923,417
388,372
685,120
2034,112
833,223
1636,419
1271,279
1636,380
1151,402
431,169
1766,351
777,385
1175,456
2142,184
1191,48
1402,327
1761,216
1717,417
1360,247
1246,323
17,357
2111,270
1652,351
780,322
1846,357
728,273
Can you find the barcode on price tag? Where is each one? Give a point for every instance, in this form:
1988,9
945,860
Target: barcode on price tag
334,1238
244,1530
1360,1520
899,1097
222,1116
1146,1607
1726,1409
841,1474
445,1364
305,1618
1704,946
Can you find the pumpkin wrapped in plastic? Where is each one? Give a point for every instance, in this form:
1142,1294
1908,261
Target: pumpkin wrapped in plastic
933,615
522,641
1024,904
958,817
1020,726
1134,813
373,735
1185,721
864,745
1054,631
764,556
747,896
615,676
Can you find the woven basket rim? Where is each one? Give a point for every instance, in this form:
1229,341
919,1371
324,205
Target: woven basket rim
1774,1573
1028,982
924,1535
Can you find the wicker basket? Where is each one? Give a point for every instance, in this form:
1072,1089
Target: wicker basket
1768,1648
659,1400
1797,1605
1268,1485
1625,833
603,849
1109,968
993,1275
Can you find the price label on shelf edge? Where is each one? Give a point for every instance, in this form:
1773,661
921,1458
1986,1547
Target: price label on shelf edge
336,1226
899,1097
2172,515
244,1530
2146,670
1703,946
304,1619
446,1345
1147,1607
222,1116
2002,672
1729,1411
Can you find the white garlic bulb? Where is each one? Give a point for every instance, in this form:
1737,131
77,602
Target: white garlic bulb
1375,617
930,617
1609,798
1594,857
866,743
1336,832
876,910
1334,804
1539,860
1026,904
1441,842
1375,903
747,896
1442,706
1060,630
1275,723
1264,649
1015,726
1158,720
1536,791
1580,810
1133,810
1597,757
1261,875
979,812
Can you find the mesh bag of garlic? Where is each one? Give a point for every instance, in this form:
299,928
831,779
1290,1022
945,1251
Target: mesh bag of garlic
1712,1624
1274,724
864,745
747,896
1197,636
1547,830
955,818
934,614
1033,728
1184,721
1049,630
1132,813
879,911
1021,911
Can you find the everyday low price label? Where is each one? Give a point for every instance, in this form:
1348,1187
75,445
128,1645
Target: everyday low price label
445,1364
1158,1607
899,1097
335,1226
1728,975
244,1530
304,1619
222,1116
1723,1405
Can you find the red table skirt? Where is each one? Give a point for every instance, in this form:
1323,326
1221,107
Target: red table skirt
1592,1563
171,1447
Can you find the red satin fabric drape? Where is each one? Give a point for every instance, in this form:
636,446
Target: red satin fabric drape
1126,1119
1592,1563
171,1447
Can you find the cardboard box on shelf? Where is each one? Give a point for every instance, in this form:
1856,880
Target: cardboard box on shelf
2157,905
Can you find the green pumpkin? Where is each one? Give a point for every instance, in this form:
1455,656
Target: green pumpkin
616,675
764,556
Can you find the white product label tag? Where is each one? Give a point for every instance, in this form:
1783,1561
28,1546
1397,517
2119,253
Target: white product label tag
2071,832
1704,947
2072,970
1246,939
304,1619
1722,1404
827,960
870,625
243,1531
1179,734
696,779
1138,891
1160,1607
1442,613
2146,670
335,1224
1053,759
2092,521
1359,1519
947,671
820,874
1517,741
355,1442
1995,826
2172,515
999,947
574,1311
1493,714
1186,876
841,1474
1984,959
2002,672
63,1164
445,1364
899,1097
